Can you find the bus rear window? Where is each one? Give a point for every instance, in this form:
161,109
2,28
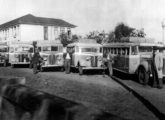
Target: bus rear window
145,49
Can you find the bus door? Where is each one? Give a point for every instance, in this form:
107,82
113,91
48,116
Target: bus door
121,62
134,59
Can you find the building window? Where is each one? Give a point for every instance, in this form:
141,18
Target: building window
55,32
62,30
45,32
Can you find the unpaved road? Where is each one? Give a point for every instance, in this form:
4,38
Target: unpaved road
96,90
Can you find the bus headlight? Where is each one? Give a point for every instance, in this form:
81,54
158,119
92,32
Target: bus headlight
59,58
100,58
16,55
88,58
45,58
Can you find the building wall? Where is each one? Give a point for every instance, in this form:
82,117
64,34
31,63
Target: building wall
31,32
26,32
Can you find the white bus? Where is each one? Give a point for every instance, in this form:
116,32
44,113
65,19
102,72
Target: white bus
132,56
86,54
20,53
4,54
52,54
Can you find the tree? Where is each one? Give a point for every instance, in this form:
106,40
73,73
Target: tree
138,33
122,30
98,36
111,37
65,39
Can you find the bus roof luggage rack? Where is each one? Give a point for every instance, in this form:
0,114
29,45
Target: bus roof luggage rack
41,42
21,42
3,43
87,41
137,40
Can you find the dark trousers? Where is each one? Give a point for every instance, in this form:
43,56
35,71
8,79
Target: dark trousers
67,65
35,66
110,69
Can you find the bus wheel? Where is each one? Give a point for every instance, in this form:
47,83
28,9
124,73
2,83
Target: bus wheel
12,65
62,69
41,69
143,77
5,64
80,69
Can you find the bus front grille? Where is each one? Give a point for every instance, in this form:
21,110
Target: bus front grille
93,61
52,59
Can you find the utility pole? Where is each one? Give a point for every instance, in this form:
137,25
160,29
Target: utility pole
163,26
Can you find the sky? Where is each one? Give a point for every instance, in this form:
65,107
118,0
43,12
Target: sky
90,15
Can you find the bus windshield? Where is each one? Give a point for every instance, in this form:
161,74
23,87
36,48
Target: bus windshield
23,49
145,49
3,49
50,48
95,50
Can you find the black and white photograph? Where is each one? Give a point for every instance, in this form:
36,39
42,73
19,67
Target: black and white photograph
82,59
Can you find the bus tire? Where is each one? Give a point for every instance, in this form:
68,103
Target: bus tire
80,69
62,69
12,66
41,69
143,76
5,64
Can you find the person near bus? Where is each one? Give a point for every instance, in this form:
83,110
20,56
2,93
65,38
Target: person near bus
67,61
110,62
158,60
36,61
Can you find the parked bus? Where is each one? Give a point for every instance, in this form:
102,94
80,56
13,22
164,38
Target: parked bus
52,54
20,53
132,55
86,54
4,54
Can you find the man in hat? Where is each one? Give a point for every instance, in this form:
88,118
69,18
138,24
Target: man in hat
67,61
36,61
158,61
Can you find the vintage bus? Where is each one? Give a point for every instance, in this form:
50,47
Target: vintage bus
52,54
4,54
20,53
86,54
133,56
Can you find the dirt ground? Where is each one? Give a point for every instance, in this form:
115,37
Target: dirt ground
97,90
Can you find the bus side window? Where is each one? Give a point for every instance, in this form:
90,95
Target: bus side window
127,51
134,50
115,51
111,50
118,51
11,50
76,49
123,51
101,50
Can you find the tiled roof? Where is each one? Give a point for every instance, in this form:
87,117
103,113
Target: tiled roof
33,20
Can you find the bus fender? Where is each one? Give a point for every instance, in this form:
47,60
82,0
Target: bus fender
145,65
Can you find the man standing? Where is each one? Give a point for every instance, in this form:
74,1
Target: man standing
36,60
67,61
110,62
159,66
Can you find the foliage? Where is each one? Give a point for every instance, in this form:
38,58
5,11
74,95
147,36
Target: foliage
98,36
138,33
122,30
66,39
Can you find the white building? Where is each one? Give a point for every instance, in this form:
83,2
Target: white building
32,28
